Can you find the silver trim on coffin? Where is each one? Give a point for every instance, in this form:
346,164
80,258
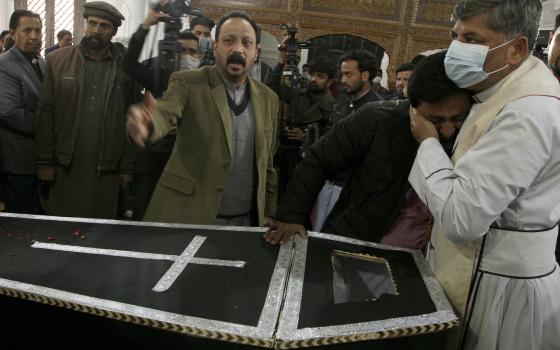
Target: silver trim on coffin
288,324
269,315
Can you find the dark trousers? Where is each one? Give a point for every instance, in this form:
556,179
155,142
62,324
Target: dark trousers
19,193
149,166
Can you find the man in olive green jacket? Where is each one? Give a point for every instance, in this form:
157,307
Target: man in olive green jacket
220,171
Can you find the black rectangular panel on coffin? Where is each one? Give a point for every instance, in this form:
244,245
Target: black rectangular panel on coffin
225,303
238,305
310,317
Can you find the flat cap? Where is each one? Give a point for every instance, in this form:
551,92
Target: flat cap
103,10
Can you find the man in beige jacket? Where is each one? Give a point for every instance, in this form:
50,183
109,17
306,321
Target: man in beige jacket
220,171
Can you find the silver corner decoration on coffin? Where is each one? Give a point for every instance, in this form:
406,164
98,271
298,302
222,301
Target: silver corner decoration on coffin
290,336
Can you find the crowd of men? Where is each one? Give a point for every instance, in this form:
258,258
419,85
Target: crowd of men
460,161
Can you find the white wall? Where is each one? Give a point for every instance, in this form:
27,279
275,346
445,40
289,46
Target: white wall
551,8
6,9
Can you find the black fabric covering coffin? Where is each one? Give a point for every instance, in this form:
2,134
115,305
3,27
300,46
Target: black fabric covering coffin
220,293
317,305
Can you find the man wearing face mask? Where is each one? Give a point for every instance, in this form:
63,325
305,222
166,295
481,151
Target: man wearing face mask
81,145
220,171
152,160
144,73
497,201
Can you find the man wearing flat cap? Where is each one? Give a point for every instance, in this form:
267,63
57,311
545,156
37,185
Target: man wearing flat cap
310,109
82,149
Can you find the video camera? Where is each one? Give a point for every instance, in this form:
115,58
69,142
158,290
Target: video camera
292,45
206,45
175,8
169,47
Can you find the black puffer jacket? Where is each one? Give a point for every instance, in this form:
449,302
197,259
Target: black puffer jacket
376,144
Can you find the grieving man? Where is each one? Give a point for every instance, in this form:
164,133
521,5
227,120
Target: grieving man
375,143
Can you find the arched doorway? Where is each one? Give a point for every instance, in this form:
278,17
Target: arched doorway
334,45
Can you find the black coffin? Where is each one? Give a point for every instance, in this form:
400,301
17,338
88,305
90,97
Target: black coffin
217,283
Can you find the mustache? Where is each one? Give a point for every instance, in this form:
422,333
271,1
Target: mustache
236,58
95,41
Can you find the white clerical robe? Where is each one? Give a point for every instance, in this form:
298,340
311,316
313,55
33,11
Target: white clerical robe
509,180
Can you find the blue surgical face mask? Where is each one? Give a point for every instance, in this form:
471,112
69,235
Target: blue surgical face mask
464,63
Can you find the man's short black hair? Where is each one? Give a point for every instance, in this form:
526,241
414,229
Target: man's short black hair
17,14
62,34
405,67
187,35
3,34
242,15
203,21
323,64
417,59
429,83
366,61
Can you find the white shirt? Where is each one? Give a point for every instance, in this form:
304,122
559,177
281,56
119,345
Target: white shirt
510,178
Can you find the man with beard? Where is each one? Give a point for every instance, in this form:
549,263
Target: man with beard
308,116
82,148
21,72
220,171
376,145
357,70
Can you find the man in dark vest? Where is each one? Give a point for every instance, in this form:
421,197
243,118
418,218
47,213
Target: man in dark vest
82,149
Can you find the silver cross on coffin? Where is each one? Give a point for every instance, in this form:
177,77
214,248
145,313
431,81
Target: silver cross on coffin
179,261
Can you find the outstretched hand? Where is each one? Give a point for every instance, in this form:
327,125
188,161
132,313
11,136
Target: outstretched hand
139,120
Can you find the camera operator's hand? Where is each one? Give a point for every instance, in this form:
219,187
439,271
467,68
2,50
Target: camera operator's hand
139,120
154,16
282,52
296,134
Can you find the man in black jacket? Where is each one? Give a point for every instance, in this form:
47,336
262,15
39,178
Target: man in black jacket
357,70
376,144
